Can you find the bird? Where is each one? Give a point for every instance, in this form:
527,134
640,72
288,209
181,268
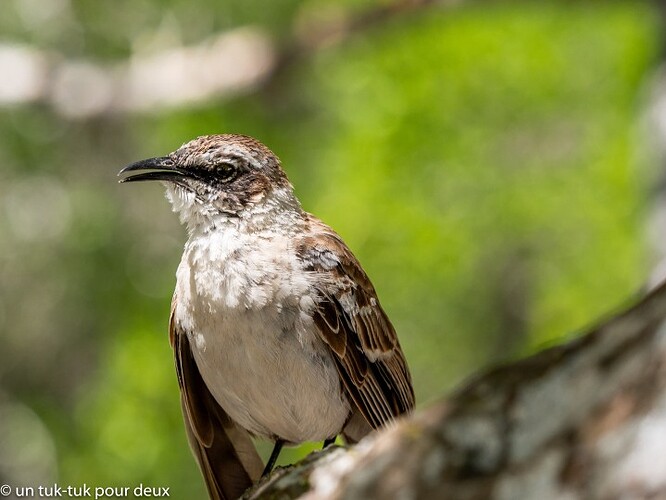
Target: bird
276,329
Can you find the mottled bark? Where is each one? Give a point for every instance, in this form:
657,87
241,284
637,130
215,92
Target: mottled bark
585,419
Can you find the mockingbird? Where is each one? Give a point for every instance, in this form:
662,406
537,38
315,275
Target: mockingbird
276,329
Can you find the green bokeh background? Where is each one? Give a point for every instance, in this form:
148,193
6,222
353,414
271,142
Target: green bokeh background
482,161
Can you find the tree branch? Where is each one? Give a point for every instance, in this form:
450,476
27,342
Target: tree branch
586,419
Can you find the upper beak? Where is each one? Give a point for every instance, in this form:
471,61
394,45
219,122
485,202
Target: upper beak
158,169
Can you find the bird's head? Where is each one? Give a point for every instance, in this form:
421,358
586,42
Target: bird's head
213,176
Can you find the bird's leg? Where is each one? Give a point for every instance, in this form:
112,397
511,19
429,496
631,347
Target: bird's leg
328,442
273,458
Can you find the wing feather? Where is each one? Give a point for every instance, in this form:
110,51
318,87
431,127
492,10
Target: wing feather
350,320
226,455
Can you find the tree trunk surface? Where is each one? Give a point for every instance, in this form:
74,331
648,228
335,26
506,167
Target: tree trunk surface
585,419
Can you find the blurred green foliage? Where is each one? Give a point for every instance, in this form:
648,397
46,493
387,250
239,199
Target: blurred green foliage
480,161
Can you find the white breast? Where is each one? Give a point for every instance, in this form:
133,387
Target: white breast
246,305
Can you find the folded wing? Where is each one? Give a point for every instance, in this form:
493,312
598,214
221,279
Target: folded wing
226,455
353,324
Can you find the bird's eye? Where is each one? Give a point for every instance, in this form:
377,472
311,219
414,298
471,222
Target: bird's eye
228,172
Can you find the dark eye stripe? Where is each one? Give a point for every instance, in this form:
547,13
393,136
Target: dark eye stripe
219,174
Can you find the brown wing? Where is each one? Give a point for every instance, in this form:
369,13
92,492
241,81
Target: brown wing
351,321
226,455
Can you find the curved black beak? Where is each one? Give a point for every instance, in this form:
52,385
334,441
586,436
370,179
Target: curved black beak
157,169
